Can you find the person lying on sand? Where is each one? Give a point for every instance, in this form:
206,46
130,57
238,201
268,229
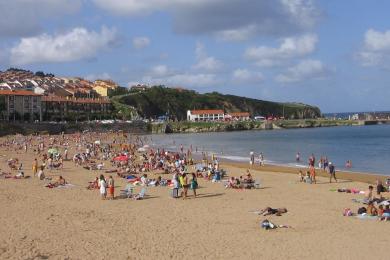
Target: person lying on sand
61,182
270,211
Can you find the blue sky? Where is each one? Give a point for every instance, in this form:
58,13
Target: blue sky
334,54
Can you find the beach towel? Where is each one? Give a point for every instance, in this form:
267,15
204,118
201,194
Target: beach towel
366,216
384,203
364,201
66,186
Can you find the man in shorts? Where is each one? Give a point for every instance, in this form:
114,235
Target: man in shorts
332,172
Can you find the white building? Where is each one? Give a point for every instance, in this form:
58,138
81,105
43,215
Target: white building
238,116
205,115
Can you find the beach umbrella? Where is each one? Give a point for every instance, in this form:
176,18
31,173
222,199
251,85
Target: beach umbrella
141,149
97,142
52,151
121,158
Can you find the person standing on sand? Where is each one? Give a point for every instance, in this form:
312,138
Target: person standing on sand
332,172
103,186
184,184
312,171
111,186
261,159
35,167
194,184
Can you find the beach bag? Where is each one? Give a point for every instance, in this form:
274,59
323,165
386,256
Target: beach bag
175,193
266,224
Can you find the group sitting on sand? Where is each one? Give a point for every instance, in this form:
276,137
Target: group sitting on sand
243,182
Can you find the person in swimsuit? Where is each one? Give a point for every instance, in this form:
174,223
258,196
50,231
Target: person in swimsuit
270,211
312,171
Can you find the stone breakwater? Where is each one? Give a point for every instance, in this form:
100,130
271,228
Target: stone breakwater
200,127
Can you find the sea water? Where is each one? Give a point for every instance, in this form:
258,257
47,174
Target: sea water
367,147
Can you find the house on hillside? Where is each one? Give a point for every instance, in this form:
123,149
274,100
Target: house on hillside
104,87
205,115
139,87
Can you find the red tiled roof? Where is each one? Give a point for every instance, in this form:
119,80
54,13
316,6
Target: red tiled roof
239,114
206,111
18,93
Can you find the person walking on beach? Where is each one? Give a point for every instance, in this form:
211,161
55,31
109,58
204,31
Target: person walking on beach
103,186
194,184
111,188
252,158
332,172
312,160
312,171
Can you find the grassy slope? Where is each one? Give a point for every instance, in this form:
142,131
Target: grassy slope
159,100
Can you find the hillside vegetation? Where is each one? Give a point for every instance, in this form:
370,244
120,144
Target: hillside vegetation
159,100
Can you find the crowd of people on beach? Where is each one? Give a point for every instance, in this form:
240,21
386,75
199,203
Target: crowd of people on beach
130,158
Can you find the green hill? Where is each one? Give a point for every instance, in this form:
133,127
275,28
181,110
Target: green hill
159,100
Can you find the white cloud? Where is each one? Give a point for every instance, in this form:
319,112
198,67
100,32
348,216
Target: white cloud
160,71
238,34
376,49
304,70
205,62
229,20
76,44
25,17
164,75
292,47
93,77
246,76
184,79
141,42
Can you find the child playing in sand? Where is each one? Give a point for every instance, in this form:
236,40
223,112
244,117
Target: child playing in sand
301,176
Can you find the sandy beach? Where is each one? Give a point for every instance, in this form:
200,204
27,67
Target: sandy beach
74,223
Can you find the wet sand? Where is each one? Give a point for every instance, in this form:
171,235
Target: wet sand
74,223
